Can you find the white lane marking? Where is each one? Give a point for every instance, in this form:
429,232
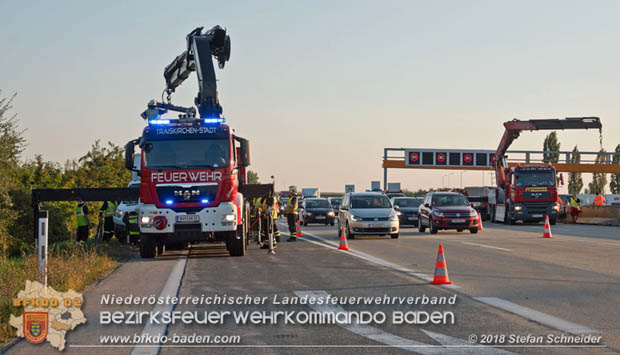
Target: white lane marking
540,317
171,289
486,246
328,244
383,337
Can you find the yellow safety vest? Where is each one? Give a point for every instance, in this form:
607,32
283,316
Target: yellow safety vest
291,207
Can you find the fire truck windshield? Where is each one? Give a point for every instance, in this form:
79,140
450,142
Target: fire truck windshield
183,154
534,178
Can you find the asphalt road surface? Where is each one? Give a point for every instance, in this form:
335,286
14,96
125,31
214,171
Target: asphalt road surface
507,281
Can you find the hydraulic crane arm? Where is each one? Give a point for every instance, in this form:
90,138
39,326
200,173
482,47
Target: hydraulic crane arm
515,127
197,57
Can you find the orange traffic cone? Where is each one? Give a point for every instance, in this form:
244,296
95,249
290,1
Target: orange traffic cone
479,222
547,233
441,270
343,240
298,228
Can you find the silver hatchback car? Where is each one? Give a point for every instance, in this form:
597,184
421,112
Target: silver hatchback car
369,213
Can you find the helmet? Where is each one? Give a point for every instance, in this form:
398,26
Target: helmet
292,188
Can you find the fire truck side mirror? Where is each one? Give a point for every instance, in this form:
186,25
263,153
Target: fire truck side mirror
129,155
244,144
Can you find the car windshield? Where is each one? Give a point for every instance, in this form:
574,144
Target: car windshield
370,202
449,200
534,178
407,202
317,204
336,202
182,154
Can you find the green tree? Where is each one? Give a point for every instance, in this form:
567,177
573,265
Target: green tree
12,145
614,184
575,181
101,167
252,177
599,180
551,144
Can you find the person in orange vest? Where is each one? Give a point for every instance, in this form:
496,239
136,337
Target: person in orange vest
599,200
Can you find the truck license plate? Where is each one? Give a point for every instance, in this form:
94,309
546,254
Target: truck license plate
411,218
320,217
188,218
458,221
537,215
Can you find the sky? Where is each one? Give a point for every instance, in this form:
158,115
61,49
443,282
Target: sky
320,87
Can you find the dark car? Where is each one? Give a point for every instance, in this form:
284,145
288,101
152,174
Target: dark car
316,210
447,210
335,202
407,209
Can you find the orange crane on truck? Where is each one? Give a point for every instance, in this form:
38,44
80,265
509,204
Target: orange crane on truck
529,192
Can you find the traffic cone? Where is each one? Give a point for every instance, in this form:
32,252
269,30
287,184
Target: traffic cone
343,240
547,233
479,222
441,270
298,228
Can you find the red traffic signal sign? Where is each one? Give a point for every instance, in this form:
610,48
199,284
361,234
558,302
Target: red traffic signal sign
413,158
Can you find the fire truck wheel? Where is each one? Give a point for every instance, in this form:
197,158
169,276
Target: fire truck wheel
236,246
148,248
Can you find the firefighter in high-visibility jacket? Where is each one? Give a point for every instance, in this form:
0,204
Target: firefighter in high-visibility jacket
255,212
81,213
266,203
291,213
575,207
108,209
131,225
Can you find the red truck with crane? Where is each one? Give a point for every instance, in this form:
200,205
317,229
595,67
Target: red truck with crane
192,166
529,192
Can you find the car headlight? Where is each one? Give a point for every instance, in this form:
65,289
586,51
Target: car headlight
228,217
438,213
518,208
308,213
556,206
119,213
473,213
355,218
398,213
145,219
393,216
330,213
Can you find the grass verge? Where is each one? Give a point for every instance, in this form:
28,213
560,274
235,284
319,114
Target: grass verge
70,266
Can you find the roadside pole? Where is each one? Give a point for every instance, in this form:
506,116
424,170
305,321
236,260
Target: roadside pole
271,231
42,246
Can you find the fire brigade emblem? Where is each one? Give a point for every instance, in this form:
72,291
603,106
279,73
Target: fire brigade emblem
35,326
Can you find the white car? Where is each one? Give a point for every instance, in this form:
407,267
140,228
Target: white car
123,208
367,213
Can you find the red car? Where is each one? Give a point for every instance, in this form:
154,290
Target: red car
447,210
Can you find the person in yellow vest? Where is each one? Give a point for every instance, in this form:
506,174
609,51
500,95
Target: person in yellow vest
575,207
108,209
266,203
83,222
131,225
599,200
255,213
291,213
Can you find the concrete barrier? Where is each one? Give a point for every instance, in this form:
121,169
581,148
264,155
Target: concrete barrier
601,215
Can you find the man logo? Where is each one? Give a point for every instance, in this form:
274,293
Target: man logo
186,194
35,326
